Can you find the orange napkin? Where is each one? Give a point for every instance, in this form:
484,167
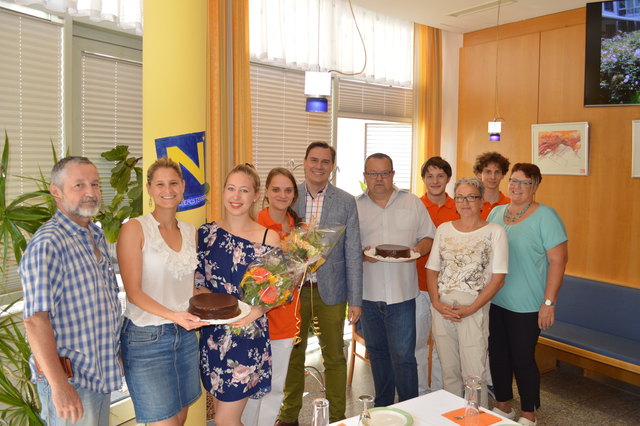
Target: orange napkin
484,419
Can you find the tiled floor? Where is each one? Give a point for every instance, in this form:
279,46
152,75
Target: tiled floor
568,399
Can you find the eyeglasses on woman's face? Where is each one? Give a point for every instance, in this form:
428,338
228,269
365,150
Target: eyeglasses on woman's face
520,183
468,198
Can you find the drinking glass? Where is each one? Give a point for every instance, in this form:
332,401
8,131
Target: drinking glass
320,412
472,386
365,416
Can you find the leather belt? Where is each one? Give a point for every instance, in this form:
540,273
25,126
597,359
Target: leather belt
310,284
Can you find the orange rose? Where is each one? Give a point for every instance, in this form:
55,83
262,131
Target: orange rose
260,274
269,295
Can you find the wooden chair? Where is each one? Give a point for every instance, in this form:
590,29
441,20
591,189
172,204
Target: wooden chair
356,338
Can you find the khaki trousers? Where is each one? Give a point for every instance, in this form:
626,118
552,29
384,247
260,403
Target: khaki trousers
462,346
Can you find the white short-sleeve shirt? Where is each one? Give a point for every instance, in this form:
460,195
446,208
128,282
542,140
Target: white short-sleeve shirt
403,221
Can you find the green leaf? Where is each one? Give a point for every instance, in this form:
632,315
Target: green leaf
3,170
120,178
123,213
135,192
119,153
111,230
117,199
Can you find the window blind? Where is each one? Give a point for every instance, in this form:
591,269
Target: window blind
281,127
359,99
30,96
111,111
31,107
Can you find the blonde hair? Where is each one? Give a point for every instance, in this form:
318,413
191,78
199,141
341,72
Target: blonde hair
163,163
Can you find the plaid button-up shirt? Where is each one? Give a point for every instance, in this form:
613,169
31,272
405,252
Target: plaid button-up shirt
62,275
313,213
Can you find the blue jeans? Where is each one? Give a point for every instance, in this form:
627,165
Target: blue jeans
95,405
390,335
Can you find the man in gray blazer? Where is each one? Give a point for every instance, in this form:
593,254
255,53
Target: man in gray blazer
337,281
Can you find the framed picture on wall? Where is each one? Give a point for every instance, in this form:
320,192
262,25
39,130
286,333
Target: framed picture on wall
561,148
635,148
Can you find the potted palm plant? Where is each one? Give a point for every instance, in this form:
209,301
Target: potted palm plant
19,219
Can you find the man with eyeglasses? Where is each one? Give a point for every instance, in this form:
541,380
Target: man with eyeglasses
325,294
436,173
389,215
491,168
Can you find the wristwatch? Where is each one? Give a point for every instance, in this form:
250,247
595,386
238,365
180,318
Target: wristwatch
549,302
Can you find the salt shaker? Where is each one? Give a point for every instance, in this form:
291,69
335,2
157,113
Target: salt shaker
472,386
320,412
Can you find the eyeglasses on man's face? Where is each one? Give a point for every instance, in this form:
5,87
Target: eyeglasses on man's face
468,198
375,175
520,183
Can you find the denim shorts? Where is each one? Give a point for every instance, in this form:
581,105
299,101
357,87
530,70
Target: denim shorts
161,369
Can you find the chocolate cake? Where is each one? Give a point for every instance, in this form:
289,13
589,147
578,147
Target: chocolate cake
214,306
393,250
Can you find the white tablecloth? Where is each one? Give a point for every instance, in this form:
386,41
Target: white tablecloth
427,410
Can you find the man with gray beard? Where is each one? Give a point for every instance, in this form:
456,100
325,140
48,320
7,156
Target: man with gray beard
71,310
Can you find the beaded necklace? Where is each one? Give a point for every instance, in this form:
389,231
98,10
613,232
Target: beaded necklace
513,217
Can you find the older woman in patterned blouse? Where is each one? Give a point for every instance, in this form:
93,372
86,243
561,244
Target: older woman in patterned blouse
466,267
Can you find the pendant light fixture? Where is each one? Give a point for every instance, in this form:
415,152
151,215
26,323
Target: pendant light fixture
495,126
317,84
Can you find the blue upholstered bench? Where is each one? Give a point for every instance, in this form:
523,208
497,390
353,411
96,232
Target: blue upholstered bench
597,328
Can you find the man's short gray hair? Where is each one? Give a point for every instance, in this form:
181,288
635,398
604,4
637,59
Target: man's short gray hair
58,173
471,181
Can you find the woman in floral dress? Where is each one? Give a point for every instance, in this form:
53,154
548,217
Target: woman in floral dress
235,359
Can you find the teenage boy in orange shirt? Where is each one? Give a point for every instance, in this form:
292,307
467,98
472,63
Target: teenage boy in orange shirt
436,174
491,168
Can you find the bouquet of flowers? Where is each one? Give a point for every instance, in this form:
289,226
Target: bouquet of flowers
311,244
271,279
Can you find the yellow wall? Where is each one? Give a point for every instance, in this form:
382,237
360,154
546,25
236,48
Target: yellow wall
174,76
174,95
541,80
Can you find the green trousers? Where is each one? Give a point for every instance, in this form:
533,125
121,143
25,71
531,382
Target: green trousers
331,324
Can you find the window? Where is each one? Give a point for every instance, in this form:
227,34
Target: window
393,139
281,127
321,34
30,106
84,112
111,111
373,118
30,95
107,97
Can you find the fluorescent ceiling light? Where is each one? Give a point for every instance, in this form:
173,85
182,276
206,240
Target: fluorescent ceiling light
481,7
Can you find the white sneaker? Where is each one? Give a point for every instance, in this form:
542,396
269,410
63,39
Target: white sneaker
526,422
510,415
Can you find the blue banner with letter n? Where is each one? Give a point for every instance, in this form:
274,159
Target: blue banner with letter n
188,151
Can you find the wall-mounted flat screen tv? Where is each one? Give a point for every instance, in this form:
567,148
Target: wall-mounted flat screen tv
612,61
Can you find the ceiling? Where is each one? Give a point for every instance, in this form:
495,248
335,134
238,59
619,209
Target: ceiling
436,13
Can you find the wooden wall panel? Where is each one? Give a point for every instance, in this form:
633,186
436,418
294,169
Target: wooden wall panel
602,210
530,26
517,87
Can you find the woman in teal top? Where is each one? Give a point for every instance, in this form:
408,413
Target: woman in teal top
526,303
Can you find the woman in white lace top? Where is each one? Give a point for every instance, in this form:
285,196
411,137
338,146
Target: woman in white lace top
157,258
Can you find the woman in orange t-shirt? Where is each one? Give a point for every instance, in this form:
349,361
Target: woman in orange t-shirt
281,193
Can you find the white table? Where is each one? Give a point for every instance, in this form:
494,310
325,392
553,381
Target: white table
428,409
